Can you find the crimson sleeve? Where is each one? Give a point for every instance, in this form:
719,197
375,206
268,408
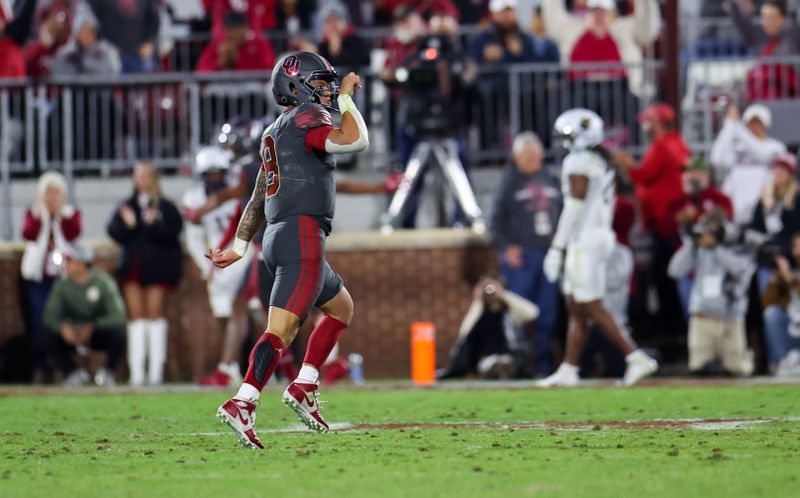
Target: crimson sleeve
315,138
31,226
71,227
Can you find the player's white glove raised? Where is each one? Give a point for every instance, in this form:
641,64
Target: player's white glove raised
553,262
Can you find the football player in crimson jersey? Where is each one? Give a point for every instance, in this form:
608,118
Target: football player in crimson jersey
294,193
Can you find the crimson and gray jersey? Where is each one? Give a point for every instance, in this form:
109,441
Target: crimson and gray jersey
299,172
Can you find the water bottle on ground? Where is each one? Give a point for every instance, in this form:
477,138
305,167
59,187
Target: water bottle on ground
356,368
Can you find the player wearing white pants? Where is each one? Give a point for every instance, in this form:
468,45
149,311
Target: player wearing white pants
582,246
211,166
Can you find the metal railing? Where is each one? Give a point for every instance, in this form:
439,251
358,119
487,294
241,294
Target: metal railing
104,126
711,85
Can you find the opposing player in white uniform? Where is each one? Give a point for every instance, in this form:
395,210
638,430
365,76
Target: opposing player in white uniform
582,246
212,165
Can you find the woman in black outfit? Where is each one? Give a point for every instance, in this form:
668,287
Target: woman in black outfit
148,227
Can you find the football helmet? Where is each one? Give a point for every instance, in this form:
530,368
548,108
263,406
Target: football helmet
292,76
579,129
211,158
240,136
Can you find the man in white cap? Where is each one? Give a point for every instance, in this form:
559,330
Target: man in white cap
741,156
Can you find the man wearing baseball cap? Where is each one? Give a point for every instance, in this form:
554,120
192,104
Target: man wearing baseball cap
741,156
658,177
85,312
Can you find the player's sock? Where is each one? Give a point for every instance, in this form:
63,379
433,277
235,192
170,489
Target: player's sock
322,341
568,368
637,354
157,350
264,359
308,374
137,351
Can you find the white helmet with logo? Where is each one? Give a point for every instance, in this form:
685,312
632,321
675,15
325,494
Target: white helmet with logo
580,129
211,158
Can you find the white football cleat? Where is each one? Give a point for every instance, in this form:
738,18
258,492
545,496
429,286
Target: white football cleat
565,376
640,365
240,415
302,398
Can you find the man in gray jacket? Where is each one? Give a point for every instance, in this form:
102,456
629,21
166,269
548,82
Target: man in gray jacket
719,300
86,53
524,217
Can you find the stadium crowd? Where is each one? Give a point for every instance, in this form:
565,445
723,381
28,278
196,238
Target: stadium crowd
702,241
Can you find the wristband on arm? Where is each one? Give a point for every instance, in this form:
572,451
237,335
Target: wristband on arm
240,246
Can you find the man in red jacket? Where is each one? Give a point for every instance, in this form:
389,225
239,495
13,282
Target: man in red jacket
658,178
241,49
658,182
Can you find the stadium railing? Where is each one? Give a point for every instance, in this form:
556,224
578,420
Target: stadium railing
712,84
91,125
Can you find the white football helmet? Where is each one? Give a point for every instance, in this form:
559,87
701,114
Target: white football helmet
211,158
580,129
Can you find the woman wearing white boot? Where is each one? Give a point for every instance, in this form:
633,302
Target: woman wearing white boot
148,227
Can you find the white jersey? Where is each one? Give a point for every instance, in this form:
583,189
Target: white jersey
593,239
598,211
208,234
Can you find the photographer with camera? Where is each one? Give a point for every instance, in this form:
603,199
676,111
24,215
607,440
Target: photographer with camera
487,340
430,88
722,270
699,195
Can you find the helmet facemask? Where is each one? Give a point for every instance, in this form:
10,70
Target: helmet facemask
316,94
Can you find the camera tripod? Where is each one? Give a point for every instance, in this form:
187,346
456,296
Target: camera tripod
444,152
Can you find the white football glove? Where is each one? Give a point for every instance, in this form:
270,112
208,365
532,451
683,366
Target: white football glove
553,262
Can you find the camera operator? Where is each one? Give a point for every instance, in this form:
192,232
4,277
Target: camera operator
699,195
487,338
723,265
430,88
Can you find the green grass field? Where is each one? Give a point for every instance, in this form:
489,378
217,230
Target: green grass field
460,442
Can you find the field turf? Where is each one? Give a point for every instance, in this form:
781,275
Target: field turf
722,441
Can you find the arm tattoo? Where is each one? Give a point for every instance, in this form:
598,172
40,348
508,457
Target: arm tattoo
253,216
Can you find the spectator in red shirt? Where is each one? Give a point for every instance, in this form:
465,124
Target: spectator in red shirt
49,226
12,63
699,196
241,49
260,13
54,32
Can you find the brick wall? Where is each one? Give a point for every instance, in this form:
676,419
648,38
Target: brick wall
395,280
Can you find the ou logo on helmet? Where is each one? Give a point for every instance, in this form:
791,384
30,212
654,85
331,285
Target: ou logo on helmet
291,66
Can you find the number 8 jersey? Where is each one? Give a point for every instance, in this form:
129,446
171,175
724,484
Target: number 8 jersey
299,172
